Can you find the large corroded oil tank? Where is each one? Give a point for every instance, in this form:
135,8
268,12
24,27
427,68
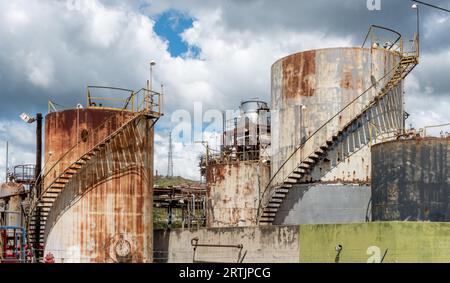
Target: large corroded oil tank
315,95
104,213
309,88
411,180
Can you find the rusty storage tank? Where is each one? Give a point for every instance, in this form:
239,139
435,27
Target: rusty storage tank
236,177
309,90
104,213
233,193
411,180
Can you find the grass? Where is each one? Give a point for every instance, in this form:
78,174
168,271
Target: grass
162,181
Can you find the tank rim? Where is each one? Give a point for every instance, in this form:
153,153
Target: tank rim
329,48
84,109
425,139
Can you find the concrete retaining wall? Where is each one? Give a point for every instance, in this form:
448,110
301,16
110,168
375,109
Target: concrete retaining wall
373,242
421,242
324,204
261,244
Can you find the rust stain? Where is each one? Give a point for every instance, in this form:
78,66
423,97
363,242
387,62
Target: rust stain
299,72
216,173
231,192
64,129
349,82
235,216
249,189
346,81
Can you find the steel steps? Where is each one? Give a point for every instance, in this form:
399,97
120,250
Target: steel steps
51,193
355,133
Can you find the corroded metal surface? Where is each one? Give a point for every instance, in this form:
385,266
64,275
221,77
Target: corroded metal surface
411,180
233,193
11,197
104,213
309,88
350,161
71,131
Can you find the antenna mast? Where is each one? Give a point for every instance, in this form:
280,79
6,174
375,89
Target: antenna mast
170,158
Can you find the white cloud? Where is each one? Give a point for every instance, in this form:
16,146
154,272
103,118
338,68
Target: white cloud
21,139
16,18
40,70
428,90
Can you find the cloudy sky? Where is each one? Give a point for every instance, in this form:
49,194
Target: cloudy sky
214,52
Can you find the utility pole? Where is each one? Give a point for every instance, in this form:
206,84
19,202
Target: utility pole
170,157
38,180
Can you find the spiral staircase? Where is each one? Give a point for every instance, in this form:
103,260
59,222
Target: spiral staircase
298,166
55,180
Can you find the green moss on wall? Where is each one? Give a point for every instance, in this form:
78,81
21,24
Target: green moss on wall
370,242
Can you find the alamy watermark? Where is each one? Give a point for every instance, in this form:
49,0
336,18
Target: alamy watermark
374,5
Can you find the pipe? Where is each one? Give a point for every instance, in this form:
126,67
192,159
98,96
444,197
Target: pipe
38,152
38,183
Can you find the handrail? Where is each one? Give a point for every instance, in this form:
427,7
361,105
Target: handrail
113,115
269,185
44,172
399,36
51,105
95,129
434,126
148,96
88,92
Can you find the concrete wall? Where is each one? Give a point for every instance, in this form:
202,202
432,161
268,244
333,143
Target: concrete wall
324,204
262,244
421,242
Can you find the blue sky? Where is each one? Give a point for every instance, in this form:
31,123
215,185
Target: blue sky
169,26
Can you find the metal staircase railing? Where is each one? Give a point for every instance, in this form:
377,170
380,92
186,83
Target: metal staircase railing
129,137
60,173
298,164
